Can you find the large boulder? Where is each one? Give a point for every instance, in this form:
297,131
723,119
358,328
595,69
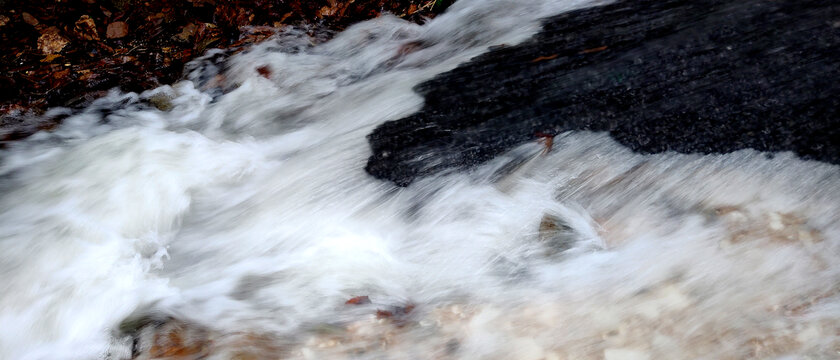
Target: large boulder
689,76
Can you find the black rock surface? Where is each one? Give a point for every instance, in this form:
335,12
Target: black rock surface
689,76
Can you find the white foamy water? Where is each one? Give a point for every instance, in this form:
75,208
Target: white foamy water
244,215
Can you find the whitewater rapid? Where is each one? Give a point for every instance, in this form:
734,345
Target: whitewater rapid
243,207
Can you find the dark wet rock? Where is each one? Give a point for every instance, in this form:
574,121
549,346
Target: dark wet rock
703,76
161,101
19,124
161,337
555,235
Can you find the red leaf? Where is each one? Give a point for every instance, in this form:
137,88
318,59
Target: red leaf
358,300
265,71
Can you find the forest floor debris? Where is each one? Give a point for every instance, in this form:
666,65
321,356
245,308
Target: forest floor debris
69,52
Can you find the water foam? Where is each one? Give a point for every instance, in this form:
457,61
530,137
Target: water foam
245,209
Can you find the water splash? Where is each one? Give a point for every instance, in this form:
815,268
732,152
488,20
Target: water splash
244,209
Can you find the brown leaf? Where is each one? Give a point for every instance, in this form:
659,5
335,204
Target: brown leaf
265,71
549,57
593,50
186,33
29,19
335,8
126,59
4,20
408,308
206,28
179,340
85,75
86,29
358,300
326,11
59,79
50,58
51,41
398,314
547,140
205,32
116,30
283,18
60,75
200,3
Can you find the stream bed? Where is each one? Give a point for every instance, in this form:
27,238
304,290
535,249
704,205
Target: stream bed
230,216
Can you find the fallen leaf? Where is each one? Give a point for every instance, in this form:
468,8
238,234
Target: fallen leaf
202,45
284,17
333,8
547,140
398,313
126,59
50,58
51,41
85,75
326,11
593,50
549,57
29,19
265,71
116,30
186,33
60,75
86,28
179,340
4,20
408,308
358,300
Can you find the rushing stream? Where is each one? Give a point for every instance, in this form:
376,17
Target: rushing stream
232,210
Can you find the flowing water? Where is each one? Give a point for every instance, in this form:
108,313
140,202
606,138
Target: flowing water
241,220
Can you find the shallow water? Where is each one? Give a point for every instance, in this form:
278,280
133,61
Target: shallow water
244,211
